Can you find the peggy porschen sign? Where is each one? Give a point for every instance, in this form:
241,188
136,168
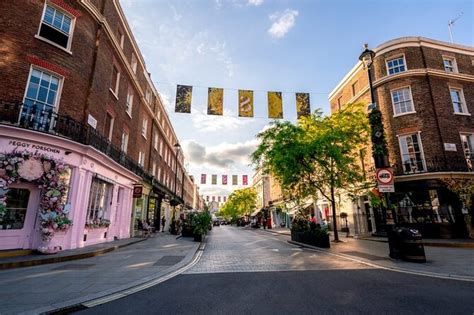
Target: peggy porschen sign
28,146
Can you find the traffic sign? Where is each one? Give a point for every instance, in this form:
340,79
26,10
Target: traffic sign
384,176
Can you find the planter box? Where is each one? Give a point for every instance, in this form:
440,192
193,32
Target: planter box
310,239
198,237
187,232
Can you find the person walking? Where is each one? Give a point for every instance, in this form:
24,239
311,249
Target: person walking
163,223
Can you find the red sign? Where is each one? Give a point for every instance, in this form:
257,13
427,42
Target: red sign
137,191
224,179
245,180
384,176
203,179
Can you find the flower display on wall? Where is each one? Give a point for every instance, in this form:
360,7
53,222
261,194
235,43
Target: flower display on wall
48,173
97,223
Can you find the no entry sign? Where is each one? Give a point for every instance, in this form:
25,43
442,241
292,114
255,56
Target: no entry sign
385,180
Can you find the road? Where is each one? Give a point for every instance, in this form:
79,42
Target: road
247,271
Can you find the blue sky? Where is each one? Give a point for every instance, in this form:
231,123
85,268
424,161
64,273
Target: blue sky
263,45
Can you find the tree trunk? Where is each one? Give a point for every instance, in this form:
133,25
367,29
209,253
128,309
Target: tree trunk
334,223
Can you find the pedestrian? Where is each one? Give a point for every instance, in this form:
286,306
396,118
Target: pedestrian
265,223
313,219
163,222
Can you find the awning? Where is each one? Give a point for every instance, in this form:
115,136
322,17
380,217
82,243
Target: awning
255,212
297,207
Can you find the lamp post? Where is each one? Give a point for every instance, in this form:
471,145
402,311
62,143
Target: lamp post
379,145
177,146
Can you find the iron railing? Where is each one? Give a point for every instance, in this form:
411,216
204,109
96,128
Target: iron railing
437,164
38,117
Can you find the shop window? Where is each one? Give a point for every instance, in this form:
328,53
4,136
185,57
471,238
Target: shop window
56,27
16,207
40,99
99,200
396,65
402,101
411,153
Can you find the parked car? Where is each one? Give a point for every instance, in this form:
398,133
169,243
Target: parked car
216,223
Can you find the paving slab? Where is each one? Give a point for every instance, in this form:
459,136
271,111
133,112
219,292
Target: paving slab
37,289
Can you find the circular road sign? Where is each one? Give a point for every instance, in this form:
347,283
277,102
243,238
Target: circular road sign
384,176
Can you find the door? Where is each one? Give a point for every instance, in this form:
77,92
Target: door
18,224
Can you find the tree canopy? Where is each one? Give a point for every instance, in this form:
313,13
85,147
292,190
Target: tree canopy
240,202
317,155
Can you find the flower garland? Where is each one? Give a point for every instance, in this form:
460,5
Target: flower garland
97,223
48,174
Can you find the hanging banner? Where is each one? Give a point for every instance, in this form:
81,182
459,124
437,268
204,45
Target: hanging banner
245,103
214,179
215,101
184,95
234,179
303,107
213,198
224,179
207,198
219,199
245,180
275,105
203,179
225,198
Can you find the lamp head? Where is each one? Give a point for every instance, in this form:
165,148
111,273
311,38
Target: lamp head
367,57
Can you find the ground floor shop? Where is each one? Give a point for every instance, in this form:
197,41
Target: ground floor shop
60,194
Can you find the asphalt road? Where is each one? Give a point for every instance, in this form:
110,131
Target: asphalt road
245,271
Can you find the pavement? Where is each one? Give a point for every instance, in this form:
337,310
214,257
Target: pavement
443,262
49,287
254,272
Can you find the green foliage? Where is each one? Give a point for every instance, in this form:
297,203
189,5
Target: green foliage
201,222
317,154
240,202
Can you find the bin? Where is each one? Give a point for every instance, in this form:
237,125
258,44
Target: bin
407,244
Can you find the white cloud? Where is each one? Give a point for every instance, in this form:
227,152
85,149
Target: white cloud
255,2
176,16
282,22
213,123
224,156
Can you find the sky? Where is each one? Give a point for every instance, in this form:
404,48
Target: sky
263,45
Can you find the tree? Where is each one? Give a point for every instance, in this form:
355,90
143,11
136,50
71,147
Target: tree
240,202
319,154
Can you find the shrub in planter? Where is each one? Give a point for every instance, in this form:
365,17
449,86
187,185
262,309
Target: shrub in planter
202,221
189,225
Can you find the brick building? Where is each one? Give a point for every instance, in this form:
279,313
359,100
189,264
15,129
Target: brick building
75,80
425,91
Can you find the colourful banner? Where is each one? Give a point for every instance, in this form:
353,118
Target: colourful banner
203,179
234,179
245,180
214,179
224,179
184,95
213,198
219,199
245,103
225,198
207,198
303,107
215,101
275,105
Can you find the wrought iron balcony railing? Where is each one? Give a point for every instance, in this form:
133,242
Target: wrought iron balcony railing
39,117
437,164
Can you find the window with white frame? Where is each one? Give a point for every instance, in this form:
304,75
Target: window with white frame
124,143
133,63
402,101
129,103
40,98
411,153
153,169
161,148
457,98
56,26
159,174
396,65
155,140
109,125
120,37
355,88
467,140
148,95
450,64
115,80
99,200
141,158
144,127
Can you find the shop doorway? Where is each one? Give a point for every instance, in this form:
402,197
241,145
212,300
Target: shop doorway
18,224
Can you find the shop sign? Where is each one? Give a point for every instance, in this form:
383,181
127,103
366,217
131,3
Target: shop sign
137,191
91,121
385,180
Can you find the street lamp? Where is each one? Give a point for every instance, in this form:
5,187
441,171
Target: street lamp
177,146
379,145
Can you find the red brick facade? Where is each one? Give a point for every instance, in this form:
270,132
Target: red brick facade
86,69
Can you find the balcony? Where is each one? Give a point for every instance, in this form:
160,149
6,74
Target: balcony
41,118
436,164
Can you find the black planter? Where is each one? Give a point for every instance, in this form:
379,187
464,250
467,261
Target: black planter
187,231
198,237
311,239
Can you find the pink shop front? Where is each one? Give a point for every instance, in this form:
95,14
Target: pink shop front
58,194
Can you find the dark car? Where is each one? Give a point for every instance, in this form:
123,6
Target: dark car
216,223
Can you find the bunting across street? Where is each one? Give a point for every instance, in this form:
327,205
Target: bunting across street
224,179
245,102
